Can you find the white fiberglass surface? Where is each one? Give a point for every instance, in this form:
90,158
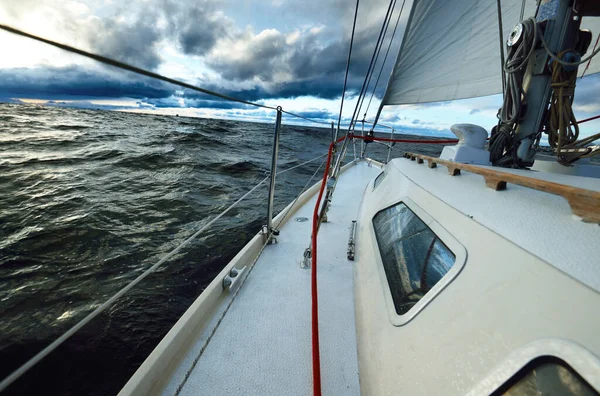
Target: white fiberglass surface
540,223
263,344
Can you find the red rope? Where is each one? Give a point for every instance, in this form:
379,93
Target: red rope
315,225
379,139
588,119
313,275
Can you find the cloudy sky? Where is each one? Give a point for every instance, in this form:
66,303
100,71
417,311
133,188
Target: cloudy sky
278,52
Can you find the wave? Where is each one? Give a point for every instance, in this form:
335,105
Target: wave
65,127
197,137
241,166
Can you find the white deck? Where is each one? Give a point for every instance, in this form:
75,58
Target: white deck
540,223
263,344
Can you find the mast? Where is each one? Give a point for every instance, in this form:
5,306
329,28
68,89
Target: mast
525,116
561,33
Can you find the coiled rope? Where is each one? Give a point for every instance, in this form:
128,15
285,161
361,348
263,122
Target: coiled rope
501,145
562,124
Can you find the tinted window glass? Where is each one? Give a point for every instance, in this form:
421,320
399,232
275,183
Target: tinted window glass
378,179
414,258
546,376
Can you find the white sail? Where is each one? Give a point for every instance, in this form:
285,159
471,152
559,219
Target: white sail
451,50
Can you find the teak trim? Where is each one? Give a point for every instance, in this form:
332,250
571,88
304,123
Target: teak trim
584,203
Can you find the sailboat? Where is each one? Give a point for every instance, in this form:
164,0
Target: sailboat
473,273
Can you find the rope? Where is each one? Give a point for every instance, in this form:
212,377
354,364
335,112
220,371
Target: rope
347,68
66,335
437,141
502,138
589,119
562,62
315,230
143,72
316,358
385,57
562,125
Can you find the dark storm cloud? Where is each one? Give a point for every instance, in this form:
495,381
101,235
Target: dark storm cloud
325,88
183,102
133,43
195,26
586,92
273,64
75,82
313,68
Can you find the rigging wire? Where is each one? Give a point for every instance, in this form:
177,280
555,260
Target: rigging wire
589,119
385,58
562,62
302,164
305,118
134,69
347,69
67,334
522,10
369,70
386,25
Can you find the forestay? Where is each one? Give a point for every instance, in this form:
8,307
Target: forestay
451,50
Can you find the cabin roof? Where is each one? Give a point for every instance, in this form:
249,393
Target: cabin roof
539,222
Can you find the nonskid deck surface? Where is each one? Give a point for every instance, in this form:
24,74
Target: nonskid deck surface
263,344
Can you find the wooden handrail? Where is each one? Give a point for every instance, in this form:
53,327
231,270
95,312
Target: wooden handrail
584,203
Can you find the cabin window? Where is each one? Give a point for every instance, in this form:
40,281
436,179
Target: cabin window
546,375
414,258
378,179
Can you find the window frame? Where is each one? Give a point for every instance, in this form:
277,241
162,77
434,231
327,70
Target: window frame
452,243
577,357
383,174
